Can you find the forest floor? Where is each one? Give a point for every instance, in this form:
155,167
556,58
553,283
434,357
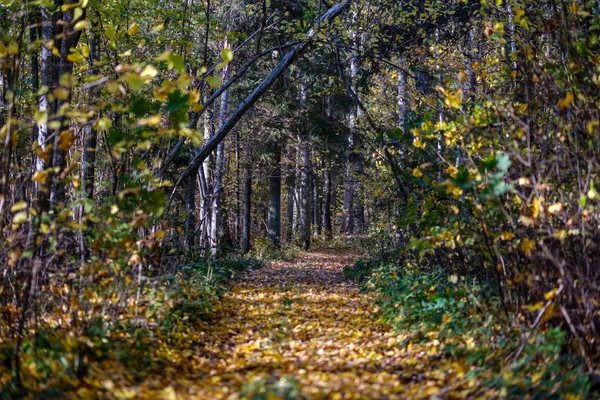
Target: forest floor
295,329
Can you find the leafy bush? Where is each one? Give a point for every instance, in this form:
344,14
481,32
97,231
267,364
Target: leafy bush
56,357
463,320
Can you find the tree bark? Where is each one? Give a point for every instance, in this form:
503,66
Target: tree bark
247,222
69,40
290,182
49,75
274,212
216,218
305,215
327,199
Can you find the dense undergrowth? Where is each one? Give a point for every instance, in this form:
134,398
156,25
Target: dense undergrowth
503,353
128,329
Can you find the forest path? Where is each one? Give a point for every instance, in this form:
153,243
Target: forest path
299,329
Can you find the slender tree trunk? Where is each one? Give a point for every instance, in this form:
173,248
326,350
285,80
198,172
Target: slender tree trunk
216,219
35,34
348,219
327,199
247,222
290,182
70,38
49,74
190,209
237,224
90,144
305,216
317,222
274,212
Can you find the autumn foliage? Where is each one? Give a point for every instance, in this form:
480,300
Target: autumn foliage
155,153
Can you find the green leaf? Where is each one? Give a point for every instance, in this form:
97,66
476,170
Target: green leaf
227,55
213,81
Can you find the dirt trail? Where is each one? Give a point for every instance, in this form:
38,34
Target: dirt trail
301,324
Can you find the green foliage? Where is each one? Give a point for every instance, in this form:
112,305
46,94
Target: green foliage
285,388
464,321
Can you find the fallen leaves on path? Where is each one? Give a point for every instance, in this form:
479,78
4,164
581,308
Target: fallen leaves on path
299,327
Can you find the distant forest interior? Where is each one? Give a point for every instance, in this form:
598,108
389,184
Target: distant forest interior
299,199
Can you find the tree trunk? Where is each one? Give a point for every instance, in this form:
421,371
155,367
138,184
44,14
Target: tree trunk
190,209
69,40
348,221
290,182
305,216
49,75
247,222
316,203
327,199
237,224
90,144
274,212
216,218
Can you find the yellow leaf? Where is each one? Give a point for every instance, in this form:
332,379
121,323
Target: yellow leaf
85,50
168,393
417,173
18,206
555,208
81,25
40,118
560,235
108,384
551,294
149,72
78,13
535,211
453,100
75,58
20,217
527,246
133,29
152,120
61,94
40,177
417,142
452,171
567,101
534,307
66,139
507,235
527,221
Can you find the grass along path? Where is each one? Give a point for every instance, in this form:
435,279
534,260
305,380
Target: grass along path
302,330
